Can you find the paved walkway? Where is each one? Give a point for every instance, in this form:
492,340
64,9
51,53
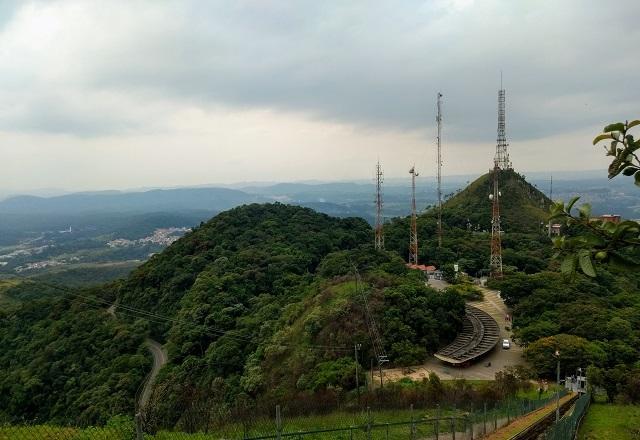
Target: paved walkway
498,357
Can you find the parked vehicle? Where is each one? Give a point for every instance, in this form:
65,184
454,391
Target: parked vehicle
506,344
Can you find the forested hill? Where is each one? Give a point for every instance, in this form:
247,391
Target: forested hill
252,245
522,205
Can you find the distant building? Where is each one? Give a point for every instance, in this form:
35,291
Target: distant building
554,228
428,270
612,218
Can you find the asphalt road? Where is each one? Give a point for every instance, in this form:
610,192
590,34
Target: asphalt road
498,358
159,359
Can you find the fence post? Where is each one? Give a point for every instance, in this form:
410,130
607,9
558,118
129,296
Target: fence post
278,422
368,423
453,428
484,420
508,415
138,420
470,423
413,424
495,418
438,415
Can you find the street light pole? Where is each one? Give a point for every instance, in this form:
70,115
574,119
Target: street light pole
558,383
357,347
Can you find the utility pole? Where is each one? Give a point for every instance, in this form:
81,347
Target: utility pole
357,347
379,239
495,262
558,383
439,123
413,235
551,198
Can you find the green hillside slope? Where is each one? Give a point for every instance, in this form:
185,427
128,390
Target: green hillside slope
466,219
522,206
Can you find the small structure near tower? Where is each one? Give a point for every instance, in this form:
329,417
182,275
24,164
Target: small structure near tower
379,239
413,235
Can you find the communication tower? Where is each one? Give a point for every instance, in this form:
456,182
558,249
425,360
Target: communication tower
502,155
439,122
379,240
495,262
413,236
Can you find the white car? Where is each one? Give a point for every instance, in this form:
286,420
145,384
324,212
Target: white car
506,344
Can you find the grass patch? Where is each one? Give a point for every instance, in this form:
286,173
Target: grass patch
604,421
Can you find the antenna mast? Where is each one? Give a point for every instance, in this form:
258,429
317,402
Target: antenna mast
550,198
502,155
379,240
413,236
439,122
495,262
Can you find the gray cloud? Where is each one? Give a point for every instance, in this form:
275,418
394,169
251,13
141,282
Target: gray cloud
370,64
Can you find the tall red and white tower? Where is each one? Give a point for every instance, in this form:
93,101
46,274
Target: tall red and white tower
501,161
413,235
495,262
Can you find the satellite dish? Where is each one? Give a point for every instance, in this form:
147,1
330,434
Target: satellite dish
490,196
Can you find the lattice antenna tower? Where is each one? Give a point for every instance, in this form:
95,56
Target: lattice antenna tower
439,123
502,155
379,238
413,235
372,327
495,262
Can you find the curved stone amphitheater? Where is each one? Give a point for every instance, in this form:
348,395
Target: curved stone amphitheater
480,333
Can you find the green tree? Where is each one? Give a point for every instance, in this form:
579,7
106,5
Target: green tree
595,241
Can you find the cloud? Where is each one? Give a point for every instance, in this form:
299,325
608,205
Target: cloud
368,64
284,89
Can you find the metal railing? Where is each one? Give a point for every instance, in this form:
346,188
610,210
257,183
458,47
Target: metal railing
566,427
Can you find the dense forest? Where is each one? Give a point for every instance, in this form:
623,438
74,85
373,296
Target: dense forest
265,303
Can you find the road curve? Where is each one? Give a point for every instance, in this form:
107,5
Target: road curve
159,359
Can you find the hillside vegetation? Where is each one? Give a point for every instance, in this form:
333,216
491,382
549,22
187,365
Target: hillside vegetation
466,219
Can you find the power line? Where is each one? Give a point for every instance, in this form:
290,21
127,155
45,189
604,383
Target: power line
161,319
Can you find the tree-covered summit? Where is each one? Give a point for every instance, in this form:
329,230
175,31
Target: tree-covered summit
522,205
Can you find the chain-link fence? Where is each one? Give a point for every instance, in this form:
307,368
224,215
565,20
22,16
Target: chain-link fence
411,423
566,427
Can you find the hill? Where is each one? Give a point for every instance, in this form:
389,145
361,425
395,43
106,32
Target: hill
161,200
522,205
466,218
257,304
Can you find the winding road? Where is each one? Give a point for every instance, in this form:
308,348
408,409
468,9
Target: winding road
160,358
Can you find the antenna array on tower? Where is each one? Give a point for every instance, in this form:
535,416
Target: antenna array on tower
502,155
379,238
439,123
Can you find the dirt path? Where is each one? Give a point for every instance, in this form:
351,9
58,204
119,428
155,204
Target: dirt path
498,357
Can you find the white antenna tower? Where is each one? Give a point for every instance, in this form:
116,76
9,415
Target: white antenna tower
439,122
379,237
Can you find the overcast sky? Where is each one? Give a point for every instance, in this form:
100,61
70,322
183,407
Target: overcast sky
132,93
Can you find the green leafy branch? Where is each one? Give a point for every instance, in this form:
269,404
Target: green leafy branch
622,148
598,241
